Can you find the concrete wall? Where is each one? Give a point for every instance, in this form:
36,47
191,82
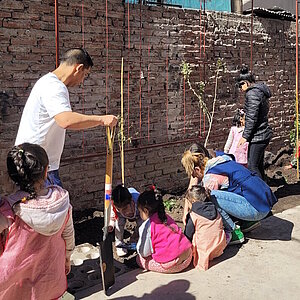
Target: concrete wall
164,116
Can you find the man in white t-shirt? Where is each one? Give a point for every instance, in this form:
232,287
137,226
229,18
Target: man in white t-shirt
48,113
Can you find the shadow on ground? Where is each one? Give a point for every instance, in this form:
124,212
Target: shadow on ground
178,287
288,190
229,252
88,226
273,228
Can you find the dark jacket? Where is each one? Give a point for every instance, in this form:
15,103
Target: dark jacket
256,108
204,209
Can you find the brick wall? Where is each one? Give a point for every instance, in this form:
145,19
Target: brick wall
162,118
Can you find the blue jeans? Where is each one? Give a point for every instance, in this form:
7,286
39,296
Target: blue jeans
53,178
235,205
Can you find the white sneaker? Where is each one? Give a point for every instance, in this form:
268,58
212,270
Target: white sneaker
121,252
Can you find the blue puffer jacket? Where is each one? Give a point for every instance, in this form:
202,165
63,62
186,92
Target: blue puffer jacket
247,184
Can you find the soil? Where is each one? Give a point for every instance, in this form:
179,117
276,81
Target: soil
283,182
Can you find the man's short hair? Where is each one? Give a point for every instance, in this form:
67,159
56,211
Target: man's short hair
77,56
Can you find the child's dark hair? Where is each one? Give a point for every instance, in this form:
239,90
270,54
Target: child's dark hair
197,193
26,165
121,196
236,119
245,75
199,148
153,202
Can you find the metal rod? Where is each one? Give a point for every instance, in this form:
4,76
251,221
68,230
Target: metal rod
251,45
297,92
56,35
88,156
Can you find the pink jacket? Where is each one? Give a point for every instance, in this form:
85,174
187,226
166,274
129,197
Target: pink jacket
167,244
209,240
33,262
241,152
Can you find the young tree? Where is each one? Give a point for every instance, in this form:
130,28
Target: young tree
186,71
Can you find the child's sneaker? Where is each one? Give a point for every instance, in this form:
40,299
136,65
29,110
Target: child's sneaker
247,226
228,236
237,236
121,252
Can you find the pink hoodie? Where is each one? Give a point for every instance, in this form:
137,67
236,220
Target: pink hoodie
167,244
33,262
240,153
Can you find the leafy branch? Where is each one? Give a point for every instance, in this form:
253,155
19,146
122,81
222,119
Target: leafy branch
186,71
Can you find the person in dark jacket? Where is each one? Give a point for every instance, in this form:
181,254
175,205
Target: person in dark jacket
257,130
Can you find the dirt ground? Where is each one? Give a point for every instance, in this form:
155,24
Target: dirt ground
283,182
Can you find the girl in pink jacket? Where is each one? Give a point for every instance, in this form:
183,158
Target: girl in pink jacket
36,223
240,153
162,247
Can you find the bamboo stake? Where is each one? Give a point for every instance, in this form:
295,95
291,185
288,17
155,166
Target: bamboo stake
108,179
122,124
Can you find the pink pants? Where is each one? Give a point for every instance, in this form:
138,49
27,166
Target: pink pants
150,264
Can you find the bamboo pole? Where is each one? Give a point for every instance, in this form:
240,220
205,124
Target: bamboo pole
122,124
108,179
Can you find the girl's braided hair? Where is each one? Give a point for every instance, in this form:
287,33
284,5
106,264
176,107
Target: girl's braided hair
26,165
153,202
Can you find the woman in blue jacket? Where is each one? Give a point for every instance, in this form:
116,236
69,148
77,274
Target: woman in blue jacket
238,191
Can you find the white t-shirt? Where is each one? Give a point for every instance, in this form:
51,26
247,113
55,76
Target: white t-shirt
48,98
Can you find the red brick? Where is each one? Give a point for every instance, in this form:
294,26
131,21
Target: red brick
29,51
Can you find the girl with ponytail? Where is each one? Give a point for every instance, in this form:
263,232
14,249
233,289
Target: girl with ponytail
36,225
162,246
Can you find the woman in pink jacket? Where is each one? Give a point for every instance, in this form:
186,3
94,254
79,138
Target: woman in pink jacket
36,223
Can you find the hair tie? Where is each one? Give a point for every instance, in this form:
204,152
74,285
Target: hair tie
21,151
152,188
